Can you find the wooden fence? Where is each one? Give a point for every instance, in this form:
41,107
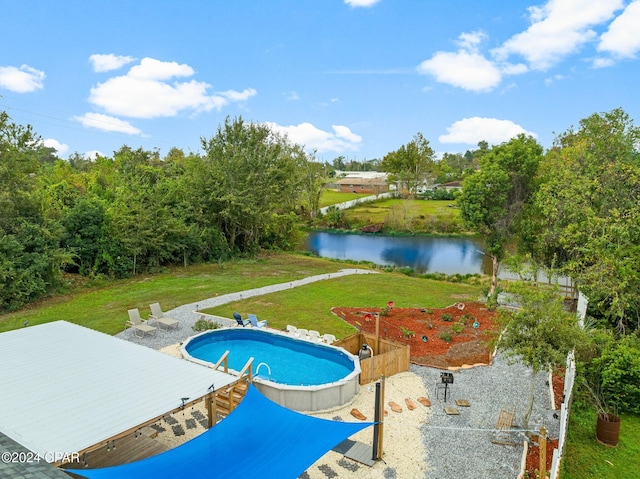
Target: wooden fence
389,357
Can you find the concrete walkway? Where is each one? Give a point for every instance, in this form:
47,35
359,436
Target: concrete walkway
187,315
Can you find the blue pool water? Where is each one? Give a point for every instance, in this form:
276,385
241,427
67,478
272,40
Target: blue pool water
292,362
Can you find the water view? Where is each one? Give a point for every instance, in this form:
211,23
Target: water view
423,254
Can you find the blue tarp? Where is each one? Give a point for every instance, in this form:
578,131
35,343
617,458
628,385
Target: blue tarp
258,439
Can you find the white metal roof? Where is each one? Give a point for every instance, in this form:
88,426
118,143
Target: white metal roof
65,387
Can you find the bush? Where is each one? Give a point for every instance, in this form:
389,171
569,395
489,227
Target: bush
457,328
204,324
447,317
446,336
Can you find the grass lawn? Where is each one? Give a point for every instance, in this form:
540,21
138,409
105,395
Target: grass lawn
584,458
333,197
310,306
414,214
104,308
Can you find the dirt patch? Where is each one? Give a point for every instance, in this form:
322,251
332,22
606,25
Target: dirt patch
446,337
533,457
557,379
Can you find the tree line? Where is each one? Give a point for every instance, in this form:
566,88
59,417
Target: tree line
136,212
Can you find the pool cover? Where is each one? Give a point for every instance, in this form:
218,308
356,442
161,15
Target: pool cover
258,439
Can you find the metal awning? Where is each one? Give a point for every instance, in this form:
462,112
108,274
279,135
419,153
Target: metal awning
66,388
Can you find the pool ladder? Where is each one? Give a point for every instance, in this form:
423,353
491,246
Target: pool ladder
267,366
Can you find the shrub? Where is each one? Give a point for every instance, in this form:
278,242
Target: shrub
204,324
457,328
467,318
447,317
446,336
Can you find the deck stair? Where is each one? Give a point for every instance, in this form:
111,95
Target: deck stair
228,398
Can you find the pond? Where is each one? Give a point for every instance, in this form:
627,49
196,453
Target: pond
422,253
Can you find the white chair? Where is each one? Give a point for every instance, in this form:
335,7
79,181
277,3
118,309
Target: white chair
313,336
253,319
160,318
135,322
292,330
328,338
302,333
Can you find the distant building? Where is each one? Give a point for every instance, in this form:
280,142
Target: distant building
451,186
363,182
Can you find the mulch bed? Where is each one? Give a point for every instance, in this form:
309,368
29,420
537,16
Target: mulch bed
466,347
533,457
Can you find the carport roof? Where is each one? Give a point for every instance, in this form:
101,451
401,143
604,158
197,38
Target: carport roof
66,388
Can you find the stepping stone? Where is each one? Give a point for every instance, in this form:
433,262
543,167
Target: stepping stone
451,411
410,404
386,413
358,415
462,403
178,430
190,423
395,407
424,401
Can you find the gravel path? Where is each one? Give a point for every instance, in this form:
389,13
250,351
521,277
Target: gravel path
186,314
460,446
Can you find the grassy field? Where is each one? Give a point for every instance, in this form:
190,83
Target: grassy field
104,308
415,215
584,458
333,197
310,306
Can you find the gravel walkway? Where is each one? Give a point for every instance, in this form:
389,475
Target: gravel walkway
460,446
187,316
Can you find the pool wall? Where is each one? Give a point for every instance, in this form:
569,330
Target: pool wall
299,398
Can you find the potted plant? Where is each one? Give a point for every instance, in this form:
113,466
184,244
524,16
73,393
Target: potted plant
608,421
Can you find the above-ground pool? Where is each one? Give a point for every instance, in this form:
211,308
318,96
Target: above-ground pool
295,373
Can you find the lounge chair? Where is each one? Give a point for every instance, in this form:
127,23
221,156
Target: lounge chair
135,322
328,338
160,318
253,319
239,320
302,333
292,330
313,336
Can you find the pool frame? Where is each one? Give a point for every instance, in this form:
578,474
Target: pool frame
299,398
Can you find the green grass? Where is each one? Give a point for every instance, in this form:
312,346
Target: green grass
585,458
104,308
333,197
310,306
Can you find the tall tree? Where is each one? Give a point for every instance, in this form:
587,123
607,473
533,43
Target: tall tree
493,198
410,165
586,215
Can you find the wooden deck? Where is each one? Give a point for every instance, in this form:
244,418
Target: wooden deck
128,449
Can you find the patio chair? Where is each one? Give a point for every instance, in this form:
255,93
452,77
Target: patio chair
328,338
135,322
292,330
160,318
302,333
314,336
239,320
253,319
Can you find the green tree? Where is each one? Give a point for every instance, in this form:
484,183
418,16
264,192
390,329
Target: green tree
410,165
540,334
493,198
585,217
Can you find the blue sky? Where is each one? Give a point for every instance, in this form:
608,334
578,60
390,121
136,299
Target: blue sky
357,78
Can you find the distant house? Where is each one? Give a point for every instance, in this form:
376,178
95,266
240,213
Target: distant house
363,184
451,186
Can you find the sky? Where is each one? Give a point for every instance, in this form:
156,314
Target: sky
351,78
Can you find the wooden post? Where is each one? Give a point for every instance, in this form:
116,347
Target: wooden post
378,429
542,440
210,404
377,333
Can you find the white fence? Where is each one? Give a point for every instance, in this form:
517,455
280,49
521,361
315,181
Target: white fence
364,199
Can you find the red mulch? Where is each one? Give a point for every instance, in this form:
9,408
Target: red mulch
467,347
533,456
557,379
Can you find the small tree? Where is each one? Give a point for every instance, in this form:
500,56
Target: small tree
540,334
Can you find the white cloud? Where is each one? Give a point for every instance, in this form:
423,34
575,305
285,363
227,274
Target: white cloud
291,96
340,140
473,130
107,123
622,39
361,3
60,148
108,62
559,28
93,154
21,80
145,92
554,78
467,70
